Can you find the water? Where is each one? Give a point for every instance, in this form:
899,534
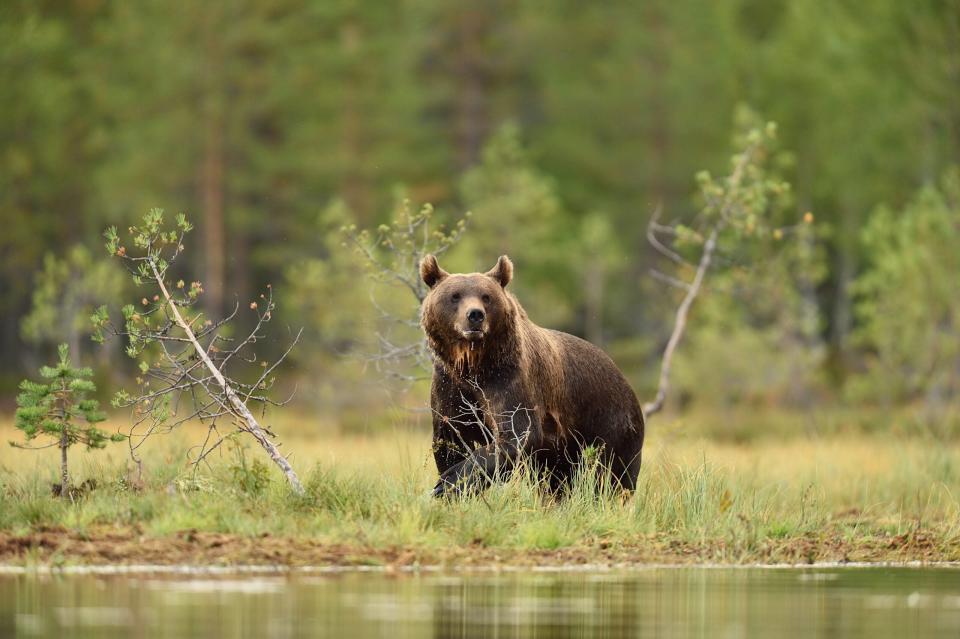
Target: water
664,602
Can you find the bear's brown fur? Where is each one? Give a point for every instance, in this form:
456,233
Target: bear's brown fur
505,389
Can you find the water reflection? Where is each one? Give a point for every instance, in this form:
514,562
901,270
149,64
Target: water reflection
688,602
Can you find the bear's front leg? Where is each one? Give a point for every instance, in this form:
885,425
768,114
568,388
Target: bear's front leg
458,422
495,461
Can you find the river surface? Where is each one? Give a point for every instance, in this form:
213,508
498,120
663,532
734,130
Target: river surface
655,602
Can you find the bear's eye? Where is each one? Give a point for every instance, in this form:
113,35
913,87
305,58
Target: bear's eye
455,297
485,298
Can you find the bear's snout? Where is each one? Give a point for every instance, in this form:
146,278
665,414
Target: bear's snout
473,320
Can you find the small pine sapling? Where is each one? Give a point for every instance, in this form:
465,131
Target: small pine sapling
184,357
60,409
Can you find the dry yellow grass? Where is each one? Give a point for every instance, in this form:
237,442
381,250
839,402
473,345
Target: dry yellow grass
834,460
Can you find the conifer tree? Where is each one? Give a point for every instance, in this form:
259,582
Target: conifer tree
61,410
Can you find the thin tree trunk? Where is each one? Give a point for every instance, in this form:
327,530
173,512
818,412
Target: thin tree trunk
681,324
693,289
353,186
64,441
213,220
64,475
234,404
471,117
593,299
842,303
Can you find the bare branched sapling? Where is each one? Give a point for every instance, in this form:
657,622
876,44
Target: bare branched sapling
736,207
184,357
391,254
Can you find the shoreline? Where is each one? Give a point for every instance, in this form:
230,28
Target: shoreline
113,550
279,570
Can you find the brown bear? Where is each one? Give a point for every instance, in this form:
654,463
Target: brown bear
505,389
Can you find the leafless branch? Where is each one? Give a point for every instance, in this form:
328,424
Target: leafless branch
392,255
652,229
669,279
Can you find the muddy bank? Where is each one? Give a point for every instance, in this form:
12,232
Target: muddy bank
118,546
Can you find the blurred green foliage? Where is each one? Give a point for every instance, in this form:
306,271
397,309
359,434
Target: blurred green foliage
65,294
518,211
562,126
909,299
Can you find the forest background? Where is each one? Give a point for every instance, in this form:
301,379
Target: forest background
561,127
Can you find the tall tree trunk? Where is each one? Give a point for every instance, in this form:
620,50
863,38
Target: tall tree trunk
212,170
353,186
471,116
593,282
659,111
842,316
213,216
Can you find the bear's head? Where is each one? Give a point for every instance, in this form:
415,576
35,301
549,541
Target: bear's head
463,312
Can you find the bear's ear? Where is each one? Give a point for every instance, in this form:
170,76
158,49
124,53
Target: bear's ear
430,271
503,271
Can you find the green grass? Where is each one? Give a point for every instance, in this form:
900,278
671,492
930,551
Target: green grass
770,500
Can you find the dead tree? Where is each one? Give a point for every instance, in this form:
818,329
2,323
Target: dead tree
187,364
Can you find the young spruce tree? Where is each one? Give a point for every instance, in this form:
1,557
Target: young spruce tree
60,409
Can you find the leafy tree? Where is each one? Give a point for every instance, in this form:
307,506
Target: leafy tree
226,84
359,302
473,69
360,108
909,298
742,213
257,111
624,112
758,322
517,211
60,409
866,96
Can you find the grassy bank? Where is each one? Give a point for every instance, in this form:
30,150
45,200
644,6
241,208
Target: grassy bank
787,499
